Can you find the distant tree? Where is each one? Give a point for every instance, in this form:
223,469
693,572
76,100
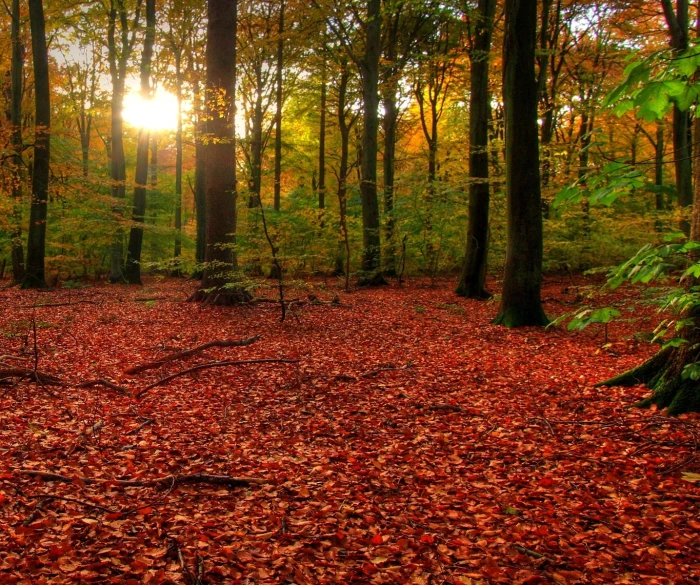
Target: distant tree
521,303
119,53
219,155
36,246
132,269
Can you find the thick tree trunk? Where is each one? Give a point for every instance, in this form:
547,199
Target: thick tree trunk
132,270
15,119
521,303
36,247
473,276
220,151
369,67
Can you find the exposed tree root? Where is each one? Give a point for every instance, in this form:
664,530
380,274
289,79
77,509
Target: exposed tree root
663,375
189,352
372,279
40,377
221,297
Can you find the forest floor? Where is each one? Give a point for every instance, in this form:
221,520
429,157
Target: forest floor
412,442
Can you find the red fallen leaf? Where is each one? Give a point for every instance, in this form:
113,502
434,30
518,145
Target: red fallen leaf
112,516
369,568
144,511
377,539
3,499
427,539
546,482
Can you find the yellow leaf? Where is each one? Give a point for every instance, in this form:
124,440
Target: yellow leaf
689,476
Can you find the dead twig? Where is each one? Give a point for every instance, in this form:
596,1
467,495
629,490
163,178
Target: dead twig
107,383
189,352
212,365
48,497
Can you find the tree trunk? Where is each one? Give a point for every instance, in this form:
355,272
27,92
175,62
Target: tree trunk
682,152
322,144
369,68
391,115
15,119
521,303
473,276
36,247
659,165
200,202
178,165
132,270
220,152
278,111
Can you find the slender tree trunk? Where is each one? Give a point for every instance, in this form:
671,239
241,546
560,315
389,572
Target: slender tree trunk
344,126
682,151
521,304
132,270
178,164
322,144
391,115
200,202
473,277
36,247
278,111
371,254
15,119
220,152
659,165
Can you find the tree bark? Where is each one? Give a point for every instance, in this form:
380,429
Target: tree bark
677,22
473,277
132,270
36,247
15,119
369,69
521,303
278,111
220,151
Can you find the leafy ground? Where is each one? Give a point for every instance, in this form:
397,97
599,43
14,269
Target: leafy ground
412,442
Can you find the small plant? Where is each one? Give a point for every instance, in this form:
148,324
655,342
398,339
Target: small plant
586,316
420,309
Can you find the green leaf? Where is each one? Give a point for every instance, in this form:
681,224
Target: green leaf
691,372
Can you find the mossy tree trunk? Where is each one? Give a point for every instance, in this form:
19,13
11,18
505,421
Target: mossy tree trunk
521,304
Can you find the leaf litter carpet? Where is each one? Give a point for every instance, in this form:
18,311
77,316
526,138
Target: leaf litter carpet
412,442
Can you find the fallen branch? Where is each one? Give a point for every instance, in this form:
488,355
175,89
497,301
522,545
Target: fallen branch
148,421
63,304
40,377
93,429
534,554
189,352
211,365
107,383
170,480
387,368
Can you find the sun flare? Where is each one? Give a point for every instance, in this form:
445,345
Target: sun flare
157,113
